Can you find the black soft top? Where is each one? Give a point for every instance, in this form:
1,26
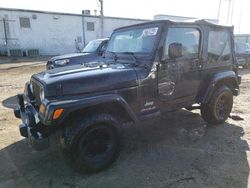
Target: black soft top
195,22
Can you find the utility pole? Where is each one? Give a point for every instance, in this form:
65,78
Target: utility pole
218,16
101,18
101,11
83,29
232,12
229,10
240,17
6,34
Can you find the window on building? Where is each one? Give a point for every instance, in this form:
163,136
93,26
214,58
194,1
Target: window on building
24,22
90,26
219,46
188,37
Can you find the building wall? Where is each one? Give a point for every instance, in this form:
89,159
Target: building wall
181,18
54,33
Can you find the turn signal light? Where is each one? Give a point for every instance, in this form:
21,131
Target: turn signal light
57,113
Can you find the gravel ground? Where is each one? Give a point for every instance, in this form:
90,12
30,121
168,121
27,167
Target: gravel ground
176,150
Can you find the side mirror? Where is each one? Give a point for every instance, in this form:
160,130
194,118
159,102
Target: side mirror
175,50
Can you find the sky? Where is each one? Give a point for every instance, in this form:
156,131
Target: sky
146,9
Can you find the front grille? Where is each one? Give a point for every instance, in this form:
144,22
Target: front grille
36,91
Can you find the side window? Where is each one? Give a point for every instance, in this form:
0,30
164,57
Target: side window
188,37
219,46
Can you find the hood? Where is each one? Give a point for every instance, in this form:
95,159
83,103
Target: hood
67,56
82,80
76,58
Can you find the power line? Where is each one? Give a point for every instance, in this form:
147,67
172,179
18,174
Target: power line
218,16
240,17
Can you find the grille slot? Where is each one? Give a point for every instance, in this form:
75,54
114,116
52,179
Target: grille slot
36,91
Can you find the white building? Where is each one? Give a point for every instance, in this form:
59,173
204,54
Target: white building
25,32
181,18
53,33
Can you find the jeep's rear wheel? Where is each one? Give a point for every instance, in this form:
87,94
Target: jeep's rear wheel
93,144
218,109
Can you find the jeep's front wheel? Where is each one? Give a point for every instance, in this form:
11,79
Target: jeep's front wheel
218,109
93,144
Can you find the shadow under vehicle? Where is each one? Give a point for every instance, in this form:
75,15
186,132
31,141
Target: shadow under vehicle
92,52
149,69
169,150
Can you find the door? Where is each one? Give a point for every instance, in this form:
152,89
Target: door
179,78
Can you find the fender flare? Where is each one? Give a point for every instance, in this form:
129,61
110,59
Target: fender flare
78,104
207,90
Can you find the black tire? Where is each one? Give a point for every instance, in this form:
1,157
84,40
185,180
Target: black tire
92,144
218,109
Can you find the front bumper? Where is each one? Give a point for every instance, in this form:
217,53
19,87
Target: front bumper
31,126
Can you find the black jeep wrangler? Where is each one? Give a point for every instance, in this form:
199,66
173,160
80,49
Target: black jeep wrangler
149,69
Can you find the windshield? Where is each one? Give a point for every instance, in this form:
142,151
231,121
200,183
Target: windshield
92,46
134,41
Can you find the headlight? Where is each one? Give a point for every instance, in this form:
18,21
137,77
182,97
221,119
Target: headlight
62,62
28,90
31,88
41,93
25,91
